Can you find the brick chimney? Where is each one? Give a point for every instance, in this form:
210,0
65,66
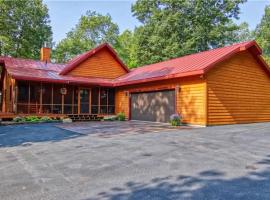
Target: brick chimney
45,54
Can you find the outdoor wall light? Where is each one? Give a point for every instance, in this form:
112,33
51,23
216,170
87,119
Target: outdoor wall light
178,88
126,93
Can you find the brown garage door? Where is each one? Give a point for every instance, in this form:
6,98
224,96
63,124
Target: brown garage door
153,106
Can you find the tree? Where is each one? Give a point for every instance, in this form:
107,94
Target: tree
24,27
126,48
262,33
243,33
172,28
91,30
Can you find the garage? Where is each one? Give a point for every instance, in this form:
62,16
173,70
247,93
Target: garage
155,106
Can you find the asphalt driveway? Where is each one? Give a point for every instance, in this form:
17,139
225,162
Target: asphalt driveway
133,160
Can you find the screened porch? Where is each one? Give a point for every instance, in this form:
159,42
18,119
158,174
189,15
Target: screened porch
48,98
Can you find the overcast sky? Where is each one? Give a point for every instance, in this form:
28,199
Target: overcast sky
65,14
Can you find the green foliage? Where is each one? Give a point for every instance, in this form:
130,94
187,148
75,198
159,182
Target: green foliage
24,27
45,119
121,116
175,123
91,30
173,28
19,119
262,33
243,33
126,48
110,118
32,119
267,59
175,120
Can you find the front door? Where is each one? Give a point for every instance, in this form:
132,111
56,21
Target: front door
84,101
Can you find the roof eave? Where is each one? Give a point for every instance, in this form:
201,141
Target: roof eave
26,78
257,51
160,78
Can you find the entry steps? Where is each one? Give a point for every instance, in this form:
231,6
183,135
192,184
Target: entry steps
85,117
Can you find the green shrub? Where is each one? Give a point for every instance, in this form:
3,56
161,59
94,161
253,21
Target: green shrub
110,118
121,116
45,119
18,119
175,120
32,119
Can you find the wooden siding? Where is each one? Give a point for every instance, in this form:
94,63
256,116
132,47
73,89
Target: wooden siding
190,97
8,93
101,65
238,92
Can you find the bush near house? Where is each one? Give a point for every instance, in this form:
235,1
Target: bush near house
46,119
34,119
121,116
110,118
19,119
175,120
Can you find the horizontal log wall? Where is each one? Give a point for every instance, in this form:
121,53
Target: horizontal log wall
190,97
238,92
101,65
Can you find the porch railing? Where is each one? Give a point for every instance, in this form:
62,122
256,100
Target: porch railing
34,108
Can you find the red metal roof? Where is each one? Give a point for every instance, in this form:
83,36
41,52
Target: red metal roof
26,69
80,58
195,64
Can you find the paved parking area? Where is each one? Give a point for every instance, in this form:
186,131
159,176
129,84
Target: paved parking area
133,160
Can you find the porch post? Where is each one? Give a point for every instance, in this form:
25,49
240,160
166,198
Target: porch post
16,97
11,90
72,106
40,97
99,100
4,92
79,101
107,101
52,99
90,100
29,95
63,101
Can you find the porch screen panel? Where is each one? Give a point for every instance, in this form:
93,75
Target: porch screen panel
35,89
68,100
103,101
111,101
23,95
47,98
57,99
94,100
75,104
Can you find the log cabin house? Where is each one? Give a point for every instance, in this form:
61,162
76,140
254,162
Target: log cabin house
227,85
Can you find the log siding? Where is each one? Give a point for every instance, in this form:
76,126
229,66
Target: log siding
100,65
238,92
190,97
